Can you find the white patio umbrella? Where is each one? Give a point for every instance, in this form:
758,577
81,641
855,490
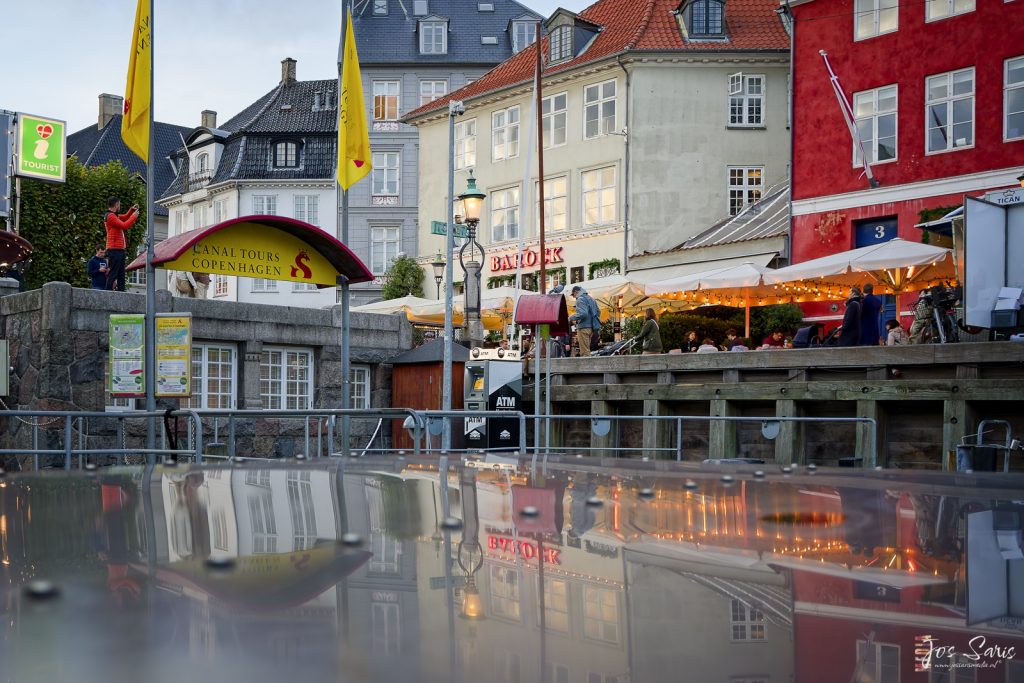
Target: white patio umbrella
403,304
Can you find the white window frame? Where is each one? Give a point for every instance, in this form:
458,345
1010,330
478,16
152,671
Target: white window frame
360,382
950,7
387,104
747,188
560,44
202,162
505,202
220,285
505,134
963,670
201,362
200,215
748,618
307,208
432,89
553,201
1009,88
598,105
874,116
263,286
877,10
264,205
465,144
600,190
290,156
529,31
741,94
557,607
180,221
505,593
137,277
876,675
220,211
304,287
385,628
386,174
381,236
595,620
291,393
555,119
949,103
432,27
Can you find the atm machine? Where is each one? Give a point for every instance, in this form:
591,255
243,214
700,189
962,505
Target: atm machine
493,382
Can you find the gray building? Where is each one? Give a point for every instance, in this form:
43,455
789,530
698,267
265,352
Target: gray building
412,52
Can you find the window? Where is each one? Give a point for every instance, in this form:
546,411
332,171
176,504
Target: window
433,37
576,274
200,215
874,17
263,522
307,208
304,287
385,174
181,221
504,592
505,214
599,109
940,9
505,134
706,18
286,154
137,277
380,7
213,377
746,100
552,111
264,205
555,203
524,33
601,614
465,144
432,90
875,112
303,514
384,245
286,379
220,211
556,673
220,529
386,549
745,186
599,197
360,379
220,285
556,605
956,669
950,110
747,623
560,43
203,163
385,628
385,100
262,286
1013,99
879,662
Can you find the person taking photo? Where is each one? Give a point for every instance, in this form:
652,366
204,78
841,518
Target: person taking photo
116,226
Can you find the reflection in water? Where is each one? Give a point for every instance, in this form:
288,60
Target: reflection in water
819,578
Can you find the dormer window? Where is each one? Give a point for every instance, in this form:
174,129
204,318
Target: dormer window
380,8
203,163
560,44
524,33
433,37
705,18
286,154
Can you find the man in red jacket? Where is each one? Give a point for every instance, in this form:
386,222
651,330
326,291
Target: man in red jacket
117,226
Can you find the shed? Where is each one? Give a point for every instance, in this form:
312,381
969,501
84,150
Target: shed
417,378
544,309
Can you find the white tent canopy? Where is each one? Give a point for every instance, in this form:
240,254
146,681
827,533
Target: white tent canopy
404,305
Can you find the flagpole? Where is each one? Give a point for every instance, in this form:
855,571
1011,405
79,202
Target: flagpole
150,374
345,293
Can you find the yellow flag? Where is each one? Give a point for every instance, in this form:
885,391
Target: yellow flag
353,139
135,122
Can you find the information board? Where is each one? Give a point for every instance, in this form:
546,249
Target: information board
42,148
173,355
127,351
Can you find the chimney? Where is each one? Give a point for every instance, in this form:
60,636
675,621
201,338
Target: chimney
110,106
287,70
208,118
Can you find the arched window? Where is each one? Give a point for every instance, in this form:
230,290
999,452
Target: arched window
706,18
203,163
286,154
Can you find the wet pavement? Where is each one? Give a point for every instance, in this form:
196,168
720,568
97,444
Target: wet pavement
387,570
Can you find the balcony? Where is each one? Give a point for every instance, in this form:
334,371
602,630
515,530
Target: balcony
198,180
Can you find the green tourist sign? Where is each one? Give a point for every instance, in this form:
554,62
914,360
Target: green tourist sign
441,228
41,148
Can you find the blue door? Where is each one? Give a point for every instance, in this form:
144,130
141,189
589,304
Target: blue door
876,231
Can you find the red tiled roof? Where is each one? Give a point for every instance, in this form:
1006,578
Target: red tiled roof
633,26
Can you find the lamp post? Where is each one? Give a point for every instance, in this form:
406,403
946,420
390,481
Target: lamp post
455,109
438,265
468,553
472,203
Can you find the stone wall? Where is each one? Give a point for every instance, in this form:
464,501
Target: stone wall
58,339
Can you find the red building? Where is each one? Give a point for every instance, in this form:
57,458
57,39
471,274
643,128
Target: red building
937,92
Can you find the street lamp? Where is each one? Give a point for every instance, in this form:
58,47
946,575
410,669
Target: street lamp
472,203
438,265
469,554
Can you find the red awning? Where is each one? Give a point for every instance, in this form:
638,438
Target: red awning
544,309
336,254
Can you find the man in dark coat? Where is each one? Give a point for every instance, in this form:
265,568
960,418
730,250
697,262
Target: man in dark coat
870,307
850,334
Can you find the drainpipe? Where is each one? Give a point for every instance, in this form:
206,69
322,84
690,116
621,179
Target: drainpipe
625,173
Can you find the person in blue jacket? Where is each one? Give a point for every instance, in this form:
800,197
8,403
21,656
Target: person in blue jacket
870,308
97,268
587,318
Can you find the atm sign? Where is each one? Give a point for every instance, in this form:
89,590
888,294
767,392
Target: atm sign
525,549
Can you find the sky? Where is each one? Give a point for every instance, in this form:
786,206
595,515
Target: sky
210,54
